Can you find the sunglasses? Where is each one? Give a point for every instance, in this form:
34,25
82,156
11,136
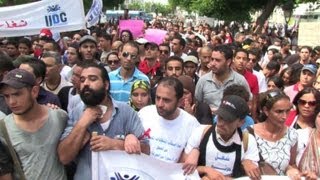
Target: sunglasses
125,36
164,52
310,103
113,62
126,54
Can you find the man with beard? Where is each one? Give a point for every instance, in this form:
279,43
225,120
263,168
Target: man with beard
34,130
122,78
169,126
210,86
116,123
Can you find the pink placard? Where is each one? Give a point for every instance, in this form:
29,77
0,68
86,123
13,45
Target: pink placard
135,26
155,35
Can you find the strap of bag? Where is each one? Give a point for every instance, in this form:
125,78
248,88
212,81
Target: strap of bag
14,156
245,141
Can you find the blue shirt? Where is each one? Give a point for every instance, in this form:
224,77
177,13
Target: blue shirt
124,121
120,89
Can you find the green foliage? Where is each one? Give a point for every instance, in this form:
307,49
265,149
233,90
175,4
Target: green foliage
229,10
151,7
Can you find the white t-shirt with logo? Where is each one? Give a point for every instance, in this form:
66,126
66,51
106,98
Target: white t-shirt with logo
168,138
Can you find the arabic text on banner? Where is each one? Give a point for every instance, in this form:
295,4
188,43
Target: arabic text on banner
32,17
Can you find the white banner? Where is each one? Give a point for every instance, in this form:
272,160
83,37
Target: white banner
29,19
118,165
92,18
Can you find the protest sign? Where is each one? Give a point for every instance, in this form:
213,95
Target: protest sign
155,35
135,26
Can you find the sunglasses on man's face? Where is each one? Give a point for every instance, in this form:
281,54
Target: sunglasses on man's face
127,54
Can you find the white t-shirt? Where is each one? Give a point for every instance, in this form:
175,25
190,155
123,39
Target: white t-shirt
168,138
261,81
220,161
303,140
63,83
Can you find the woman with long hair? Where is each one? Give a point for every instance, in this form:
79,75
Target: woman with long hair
308,158
277,143
305,102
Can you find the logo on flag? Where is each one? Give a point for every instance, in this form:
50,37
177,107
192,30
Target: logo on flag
93,15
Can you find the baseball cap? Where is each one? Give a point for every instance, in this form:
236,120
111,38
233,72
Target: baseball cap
191,59
87,38
152,44
45,32
141,41
310,67
232,107
18,78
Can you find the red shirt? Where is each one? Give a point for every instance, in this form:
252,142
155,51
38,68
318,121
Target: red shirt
149,71
252,81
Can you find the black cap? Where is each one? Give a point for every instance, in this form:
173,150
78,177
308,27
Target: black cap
152,44
18,78
232,107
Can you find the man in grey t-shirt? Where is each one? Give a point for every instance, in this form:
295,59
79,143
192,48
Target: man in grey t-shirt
34,130
210,86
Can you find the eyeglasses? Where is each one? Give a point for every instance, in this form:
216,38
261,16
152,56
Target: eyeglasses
113,62
125,36
127,54
304,102
164,52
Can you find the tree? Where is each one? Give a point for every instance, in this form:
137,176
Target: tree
235,10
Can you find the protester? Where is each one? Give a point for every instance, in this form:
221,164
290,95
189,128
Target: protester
308,158
276,142
121,79
306,103
169,127
33,129
140,95
117,126
226,152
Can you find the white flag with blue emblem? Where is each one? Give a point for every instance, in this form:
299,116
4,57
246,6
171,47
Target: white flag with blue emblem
118,165
92,18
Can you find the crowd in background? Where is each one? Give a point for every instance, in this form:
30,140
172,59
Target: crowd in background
222,80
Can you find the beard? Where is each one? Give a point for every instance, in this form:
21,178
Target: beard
92,97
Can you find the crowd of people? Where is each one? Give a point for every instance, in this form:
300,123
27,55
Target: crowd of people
217,101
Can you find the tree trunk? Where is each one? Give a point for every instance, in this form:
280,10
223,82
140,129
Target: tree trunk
266,12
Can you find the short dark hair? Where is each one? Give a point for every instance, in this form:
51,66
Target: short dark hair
38,67
173,58
175,83
182,42
256,52
238,90
103,72
25,41
129,43
277,80
6,63
273,65
240,50
224,49
105,36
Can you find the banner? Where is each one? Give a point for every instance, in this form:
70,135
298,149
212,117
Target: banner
29,19
267,177
118,165
155,35
135,26
92,18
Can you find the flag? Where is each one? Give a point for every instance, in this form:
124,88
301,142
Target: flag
92,18
118,165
